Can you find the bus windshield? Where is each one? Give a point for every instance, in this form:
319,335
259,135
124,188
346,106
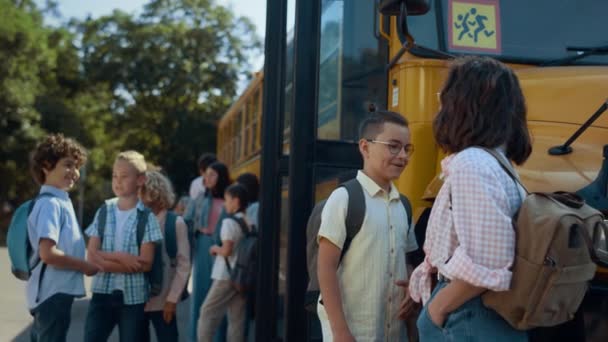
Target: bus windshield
542,32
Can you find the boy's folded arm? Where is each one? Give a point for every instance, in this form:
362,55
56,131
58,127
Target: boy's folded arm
110,266
119,257
104,259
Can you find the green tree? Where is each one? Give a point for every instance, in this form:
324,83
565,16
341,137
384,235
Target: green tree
156,83
24,54
73,105
173,72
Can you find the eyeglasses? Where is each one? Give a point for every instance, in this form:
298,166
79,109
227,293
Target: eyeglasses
395,147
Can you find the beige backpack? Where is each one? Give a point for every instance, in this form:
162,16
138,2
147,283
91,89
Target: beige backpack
554,258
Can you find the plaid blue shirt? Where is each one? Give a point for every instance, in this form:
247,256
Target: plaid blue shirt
134,285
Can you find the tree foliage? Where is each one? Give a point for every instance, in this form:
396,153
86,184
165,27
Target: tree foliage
156,82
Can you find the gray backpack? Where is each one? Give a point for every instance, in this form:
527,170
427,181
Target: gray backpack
243,274
354,219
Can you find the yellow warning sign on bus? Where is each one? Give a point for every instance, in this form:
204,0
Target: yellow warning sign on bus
474,26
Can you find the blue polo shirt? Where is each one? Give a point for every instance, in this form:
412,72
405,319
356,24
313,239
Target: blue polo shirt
54,218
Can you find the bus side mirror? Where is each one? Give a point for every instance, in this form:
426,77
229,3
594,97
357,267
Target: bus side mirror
414,7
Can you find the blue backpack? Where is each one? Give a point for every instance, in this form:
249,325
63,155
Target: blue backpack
19,248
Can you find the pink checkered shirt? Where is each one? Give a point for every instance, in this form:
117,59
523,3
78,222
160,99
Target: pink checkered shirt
471,236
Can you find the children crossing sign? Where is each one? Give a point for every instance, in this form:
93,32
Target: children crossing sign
474,26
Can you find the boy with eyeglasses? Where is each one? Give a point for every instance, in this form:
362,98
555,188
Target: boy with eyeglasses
361,294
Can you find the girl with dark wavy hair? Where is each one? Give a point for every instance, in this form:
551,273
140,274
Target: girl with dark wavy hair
470,241
205,220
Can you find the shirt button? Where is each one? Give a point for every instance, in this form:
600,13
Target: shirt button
390,274
392,250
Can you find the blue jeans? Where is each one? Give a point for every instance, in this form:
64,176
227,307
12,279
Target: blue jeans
471,322
165,332
108,310
52,319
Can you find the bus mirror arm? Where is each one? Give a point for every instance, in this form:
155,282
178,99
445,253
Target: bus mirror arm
409,42
566,148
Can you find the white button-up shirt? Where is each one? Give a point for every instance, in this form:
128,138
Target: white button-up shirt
372,264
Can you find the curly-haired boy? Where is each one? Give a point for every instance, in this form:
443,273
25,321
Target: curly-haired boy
55,237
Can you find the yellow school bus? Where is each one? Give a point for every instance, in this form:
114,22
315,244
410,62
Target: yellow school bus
562,92
238,136
559,53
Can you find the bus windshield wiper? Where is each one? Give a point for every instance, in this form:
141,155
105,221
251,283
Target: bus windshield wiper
581,52
565,148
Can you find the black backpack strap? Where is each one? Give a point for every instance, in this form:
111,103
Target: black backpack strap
408,209
101,222
242,224
171,235
142,222
355,213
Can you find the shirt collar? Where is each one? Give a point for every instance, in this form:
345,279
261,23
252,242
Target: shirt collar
55,191
374,189
445,162
114,201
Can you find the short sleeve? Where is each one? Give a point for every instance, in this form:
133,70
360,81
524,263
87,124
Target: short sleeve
333,216
152,233
47,223
410,240
91,230
230,230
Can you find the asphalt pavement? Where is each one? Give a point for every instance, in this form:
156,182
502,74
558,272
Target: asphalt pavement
15,319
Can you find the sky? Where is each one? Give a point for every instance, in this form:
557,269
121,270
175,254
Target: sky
254,9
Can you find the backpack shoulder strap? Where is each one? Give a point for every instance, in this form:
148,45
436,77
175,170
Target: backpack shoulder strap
355,213
408,209
35,199
242,224
101,221
29,247
505,166
142,222
170,234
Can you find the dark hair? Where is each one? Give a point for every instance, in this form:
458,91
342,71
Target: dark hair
239,191
223,179
373,124
482,105
50,150
251,183
205,160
